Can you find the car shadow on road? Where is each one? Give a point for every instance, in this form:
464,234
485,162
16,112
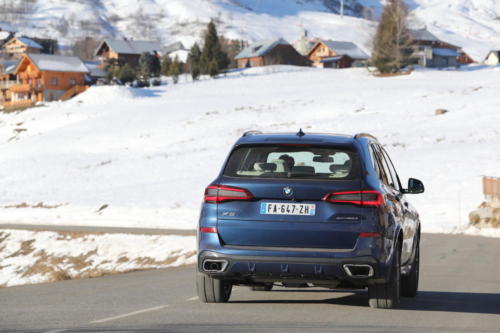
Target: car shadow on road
439,301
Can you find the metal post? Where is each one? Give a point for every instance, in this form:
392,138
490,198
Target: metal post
342,8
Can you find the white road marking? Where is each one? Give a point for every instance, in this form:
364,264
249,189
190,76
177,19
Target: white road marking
193,298
156,308
56,331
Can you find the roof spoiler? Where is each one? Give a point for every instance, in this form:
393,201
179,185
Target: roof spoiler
365,135
249,133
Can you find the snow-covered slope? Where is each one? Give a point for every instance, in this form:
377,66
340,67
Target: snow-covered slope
473,24
142,158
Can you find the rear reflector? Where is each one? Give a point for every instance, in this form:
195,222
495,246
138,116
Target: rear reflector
369,235
361,198
211,230
221,193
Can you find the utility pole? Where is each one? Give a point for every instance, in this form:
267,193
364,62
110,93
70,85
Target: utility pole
341,8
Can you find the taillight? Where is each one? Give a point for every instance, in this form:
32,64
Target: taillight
221,193
210,230
361,198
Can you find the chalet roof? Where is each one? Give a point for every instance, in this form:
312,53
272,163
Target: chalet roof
95,69
130,46
4,35
9,66
258,49
29,42
346,48
173,47
332,59
444,52
423,35
58,63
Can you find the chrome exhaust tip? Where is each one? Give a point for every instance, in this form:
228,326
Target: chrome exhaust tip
359,271
214,265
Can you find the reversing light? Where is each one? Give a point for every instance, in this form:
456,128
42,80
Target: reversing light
221,193
360,198
369,235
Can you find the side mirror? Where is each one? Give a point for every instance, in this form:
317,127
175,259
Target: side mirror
415,186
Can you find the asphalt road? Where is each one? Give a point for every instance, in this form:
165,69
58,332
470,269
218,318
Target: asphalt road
460,292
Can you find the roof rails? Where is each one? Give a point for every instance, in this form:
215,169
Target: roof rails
248,133
365,135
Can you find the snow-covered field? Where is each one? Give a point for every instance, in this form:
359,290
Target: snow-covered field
116,156
34,257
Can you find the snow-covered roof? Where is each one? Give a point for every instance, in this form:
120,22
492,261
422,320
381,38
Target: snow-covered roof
173,47
9,66
259,49
4,35
58,63
29,42
95,68
423,35
130,46
346,48
443,52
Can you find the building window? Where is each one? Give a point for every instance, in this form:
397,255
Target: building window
53,81
72,82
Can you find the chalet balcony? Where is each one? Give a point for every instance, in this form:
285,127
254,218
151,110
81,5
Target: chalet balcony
19,104
27,76
4,85
21,88
26,88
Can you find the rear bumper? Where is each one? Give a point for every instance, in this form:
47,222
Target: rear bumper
329,269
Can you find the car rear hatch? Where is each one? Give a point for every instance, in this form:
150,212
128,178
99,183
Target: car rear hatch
289,210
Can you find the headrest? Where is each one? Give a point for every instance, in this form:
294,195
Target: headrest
303,169
260,166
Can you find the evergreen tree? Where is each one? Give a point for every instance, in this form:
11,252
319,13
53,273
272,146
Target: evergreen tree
212,50
149,65
194,61
392,43
175,70
165,64
126,74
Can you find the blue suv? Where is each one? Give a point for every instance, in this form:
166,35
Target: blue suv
309,210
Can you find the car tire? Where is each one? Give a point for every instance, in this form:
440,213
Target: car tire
211,290
386,295
263,287
409,283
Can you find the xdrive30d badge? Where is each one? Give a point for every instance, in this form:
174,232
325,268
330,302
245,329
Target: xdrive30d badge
316,210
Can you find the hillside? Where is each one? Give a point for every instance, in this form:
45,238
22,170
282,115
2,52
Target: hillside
117,156
473,24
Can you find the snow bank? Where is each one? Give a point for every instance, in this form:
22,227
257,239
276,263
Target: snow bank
34,257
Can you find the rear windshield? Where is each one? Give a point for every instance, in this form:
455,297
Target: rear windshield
293,162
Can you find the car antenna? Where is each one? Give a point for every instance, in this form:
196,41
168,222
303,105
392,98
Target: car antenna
300,133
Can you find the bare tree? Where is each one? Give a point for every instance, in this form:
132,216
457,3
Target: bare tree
392,43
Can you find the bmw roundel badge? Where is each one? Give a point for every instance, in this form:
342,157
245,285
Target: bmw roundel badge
288,191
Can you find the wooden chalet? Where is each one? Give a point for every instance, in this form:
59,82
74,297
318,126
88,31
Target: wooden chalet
7,78
44,77
430,51
126,51
271,52
493,58
336,54
19,46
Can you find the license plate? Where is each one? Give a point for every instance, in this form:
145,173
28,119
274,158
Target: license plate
276,208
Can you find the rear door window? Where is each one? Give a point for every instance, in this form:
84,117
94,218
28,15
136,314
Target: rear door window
285,161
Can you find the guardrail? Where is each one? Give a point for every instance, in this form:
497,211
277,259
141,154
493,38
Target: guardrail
491,187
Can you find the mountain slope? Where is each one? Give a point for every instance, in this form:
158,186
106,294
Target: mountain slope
473,24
